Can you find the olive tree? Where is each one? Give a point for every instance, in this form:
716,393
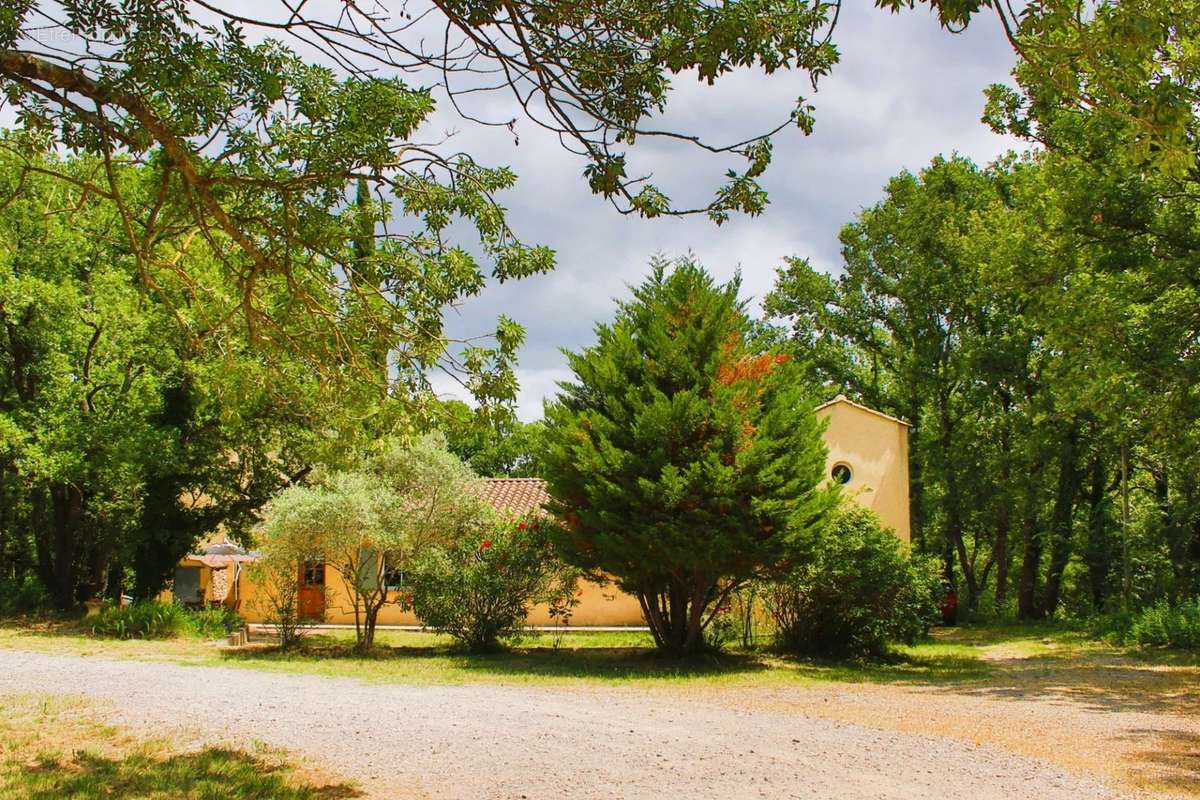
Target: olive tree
368,523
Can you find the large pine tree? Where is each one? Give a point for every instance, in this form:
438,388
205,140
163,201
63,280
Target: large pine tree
684,459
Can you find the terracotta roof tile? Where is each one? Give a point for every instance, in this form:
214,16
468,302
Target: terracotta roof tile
520,495
841,398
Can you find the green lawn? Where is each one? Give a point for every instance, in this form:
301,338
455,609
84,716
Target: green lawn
952,656
54,747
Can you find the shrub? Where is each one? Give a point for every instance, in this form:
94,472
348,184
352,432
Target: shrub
479,588
23,596
365,524
154,619
145,619
212,623
857,590
1113,628
1162,625
277,574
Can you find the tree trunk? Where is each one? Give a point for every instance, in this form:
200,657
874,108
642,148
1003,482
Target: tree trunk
1098,553
1176,533
1031,555
1126,570
1061,520
676,616
59,544
952,507
1003,511
1191,534
916,478
368,631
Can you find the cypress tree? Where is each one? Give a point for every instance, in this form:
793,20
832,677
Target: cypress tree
683,459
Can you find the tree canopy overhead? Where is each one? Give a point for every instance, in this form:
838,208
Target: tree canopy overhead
594,73
263,121
260,122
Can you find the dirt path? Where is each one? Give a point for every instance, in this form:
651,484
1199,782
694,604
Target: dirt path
492,741
1146,742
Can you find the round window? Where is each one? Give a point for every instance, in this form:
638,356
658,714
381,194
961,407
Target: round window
841,474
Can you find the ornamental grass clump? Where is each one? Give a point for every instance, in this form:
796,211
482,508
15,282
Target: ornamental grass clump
1163,625
480,588
155,619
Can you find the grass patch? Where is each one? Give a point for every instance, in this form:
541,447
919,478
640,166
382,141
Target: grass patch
608,657
599,657
966,655
74,637
53,747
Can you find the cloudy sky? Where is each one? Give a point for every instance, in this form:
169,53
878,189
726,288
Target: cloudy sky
905,91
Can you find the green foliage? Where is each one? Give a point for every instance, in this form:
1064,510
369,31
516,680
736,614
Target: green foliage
115,413
480,587
1158,625
338,522
1109,94
399,501
283,551
23,596
912,328
154,619
301,151
1128,74
491,439
683,460
145,619
1005,313
213,623
1163,625
855,592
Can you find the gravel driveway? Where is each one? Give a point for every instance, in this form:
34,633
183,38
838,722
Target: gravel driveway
494,742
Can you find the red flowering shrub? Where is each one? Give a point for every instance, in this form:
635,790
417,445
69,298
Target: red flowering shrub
481,593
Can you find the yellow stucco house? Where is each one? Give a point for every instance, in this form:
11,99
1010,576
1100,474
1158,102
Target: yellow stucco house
868,455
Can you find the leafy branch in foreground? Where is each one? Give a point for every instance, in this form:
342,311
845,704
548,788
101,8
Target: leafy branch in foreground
290,139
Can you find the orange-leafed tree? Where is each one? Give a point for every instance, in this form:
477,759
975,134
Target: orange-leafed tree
683,459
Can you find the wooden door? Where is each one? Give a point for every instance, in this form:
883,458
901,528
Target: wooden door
311,600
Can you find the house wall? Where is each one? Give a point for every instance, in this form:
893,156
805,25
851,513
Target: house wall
598,605
875,448
167,595
235,598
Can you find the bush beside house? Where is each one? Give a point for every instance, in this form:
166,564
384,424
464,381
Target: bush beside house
856,590
480,588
